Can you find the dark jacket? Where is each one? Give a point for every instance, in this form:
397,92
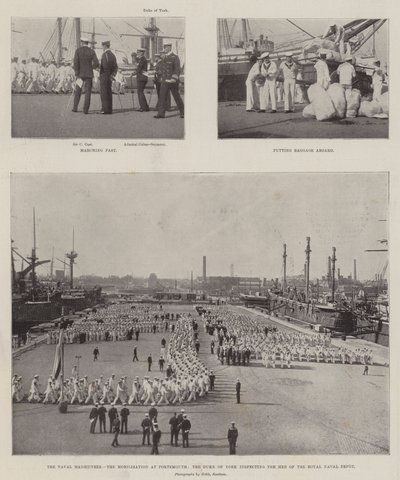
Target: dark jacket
186,425
112,412
116,425
153,412
140,68
85,60
238,385
174,422
156,437
108,64
93,413
124,412
102,412
170,68
146,423
233,434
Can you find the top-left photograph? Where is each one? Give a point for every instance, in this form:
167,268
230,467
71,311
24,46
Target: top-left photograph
98,77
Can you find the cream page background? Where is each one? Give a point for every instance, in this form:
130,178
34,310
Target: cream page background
200,152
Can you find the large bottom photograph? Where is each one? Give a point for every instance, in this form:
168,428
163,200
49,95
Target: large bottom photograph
200,314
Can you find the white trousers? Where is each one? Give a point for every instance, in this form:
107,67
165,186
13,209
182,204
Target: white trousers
268,91
289,87
252,95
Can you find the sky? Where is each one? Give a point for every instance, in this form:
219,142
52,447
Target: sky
164,223
280,30
37,31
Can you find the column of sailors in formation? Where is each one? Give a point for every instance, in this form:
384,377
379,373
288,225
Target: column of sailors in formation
237,338
186,378
34,76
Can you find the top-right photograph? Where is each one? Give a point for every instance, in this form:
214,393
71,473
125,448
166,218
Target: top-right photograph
303,78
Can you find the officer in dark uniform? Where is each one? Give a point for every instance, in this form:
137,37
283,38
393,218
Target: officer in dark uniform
185,426
174,425
238,386
146,427
124,418
155,439
232,438
211,376
170,71
116,430
93,417
159,57
102,419
141,79
85,60
108,70
112,413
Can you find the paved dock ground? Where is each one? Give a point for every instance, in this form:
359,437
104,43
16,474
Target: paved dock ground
308,409
235,122
50,116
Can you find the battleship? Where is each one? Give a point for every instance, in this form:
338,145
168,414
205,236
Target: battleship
236,59
34,301
362,315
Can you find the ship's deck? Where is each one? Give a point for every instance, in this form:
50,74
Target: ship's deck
235,122
50,116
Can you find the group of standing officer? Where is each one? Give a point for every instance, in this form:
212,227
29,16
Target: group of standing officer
166,78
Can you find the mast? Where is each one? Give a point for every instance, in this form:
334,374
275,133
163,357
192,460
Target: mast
93,33
59,40
33,256
284,267
308,251
245,32
72,256
333,259
52,265
77,22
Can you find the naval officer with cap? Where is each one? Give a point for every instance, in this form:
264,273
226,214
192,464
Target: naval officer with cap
85,60
141,79
170,71
108,70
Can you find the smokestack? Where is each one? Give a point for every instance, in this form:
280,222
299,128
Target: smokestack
191,281
355,270
232,270
329,268
204,269
308,251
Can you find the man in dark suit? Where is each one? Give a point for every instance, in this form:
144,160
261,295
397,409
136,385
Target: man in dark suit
232,438
146,427
124,418
141,79
159,57
116,430
174,424
238,386
93,417
102,419
112,413
170,71
108,70
155,439
85,60
185,426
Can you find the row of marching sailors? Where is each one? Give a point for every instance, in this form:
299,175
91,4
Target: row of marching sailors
46,77
116,330
172,390
286,354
